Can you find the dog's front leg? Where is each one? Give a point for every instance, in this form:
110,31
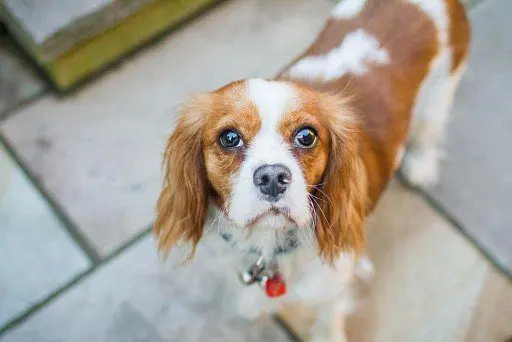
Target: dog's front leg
329,324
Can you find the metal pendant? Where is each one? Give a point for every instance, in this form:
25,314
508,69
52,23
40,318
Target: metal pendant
266,276
255,274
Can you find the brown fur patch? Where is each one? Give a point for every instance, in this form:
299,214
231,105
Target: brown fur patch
182,205
341,203
231,109
307,113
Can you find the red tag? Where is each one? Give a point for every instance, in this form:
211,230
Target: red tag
275,287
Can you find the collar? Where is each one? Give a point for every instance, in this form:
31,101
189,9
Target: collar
291,242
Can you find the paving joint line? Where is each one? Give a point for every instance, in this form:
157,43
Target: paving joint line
287,329
53,296
27,63
11,111
71,228
445,213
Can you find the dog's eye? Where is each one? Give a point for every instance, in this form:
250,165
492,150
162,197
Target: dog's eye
305,138
230,139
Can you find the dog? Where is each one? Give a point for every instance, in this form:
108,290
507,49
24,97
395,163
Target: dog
286,170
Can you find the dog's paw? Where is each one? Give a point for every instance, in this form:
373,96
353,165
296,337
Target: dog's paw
315,337
420,168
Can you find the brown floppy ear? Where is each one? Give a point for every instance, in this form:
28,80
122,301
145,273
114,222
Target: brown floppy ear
182,205
343,191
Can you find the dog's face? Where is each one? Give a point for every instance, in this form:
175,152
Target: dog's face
272,156
264,146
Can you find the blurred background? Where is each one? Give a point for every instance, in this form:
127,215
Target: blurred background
88,94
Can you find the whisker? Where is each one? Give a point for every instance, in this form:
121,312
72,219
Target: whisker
218,216
330,200
329,230
308,240
209,228
318,198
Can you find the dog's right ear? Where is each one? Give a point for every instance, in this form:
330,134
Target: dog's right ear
342,197
182,205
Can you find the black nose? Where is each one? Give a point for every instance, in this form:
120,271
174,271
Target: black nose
272,180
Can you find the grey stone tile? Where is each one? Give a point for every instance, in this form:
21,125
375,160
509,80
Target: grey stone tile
18,81
99,152
36,254
476,183
52,28
138,298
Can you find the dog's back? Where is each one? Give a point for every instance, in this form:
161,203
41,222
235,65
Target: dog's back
401,61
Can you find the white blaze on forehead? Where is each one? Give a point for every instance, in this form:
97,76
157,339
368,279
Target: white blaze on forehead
356,53
272,99
438,12
348,9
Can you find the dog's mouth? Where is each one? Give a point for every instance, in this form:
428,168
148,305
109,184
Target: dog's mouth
278,228
272,212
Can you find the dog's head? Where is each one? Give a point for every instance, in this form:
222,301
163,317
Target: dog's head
269,156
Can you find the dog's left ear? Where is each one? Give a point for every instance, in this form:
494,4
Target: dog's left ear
343,191
182,205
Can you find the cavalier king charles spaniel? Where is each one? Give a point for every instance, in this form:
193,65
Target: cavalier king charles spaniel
286,170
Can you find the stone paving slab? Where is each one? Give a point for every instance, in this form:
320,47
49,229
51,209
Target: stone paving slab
37,256
55,26
99,152
476,183
18,81
137,298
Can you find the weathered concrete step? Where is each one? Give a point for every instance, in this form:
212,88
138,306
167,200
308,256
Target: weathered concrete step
71,40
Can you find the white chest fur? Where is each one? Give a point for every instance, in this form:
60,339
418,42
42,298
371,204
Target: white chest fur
309,280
